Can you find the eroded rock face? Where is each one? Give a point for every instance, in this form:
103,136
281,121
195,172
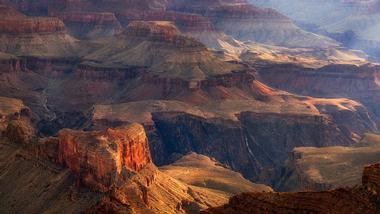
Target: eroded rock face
260,140
184,21
331,80
37,36
31,25
90,24
11,64
361,199
15,121
247,22
161,32
325,168
14,22
371,177
99,158
336,201
351,81
20,131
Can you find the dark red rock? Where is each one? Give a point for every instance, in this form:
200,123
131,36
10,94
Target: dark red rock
99,158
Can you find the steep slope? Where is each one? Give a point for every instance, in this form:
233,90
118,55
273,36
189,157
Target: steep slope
361,199
330,167
201,171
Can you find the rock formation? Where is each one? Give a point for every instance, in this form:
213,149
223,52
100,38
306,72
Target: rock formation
194,76
10,63
163,50
90,24
37,36
352,23
181,133
120,149
10,109
318,169
370,178
114,163
361,199
202,171
247,22
351,81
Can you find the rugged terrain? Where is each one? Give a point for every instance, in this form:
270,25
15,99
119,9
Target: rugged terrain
311,168
350,22
94,172
224,91
360,199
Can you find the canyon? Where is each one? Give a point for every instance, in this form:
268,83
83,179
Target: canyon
79,171
218,106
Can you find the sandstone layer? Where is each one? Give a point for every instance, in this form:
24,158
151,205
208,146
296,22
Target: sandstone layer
121,149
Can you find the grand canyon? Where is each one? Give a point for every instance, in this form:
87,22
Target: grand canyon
189,106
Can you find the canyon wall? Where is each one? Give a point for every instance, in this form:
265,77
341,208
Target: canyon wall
255,139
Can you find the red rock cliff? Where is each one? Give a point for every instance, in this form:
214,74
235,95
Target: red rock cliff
99,158
31,25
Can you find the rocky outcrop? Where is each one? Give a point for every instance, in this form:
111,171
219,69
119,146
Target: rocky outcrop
34,36
15,119
256,139
122,150
53,67
168,85
31,25
20,131
355,82
331,80
98,73
164,51
115,164
335,201
371,178
246,22
10,64
360,199
320,169
184,21
161,32
90,24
